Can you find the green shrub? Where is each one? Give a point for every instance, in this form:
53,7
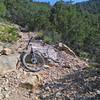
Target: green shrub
84,55
52,37
56,37
39,34
8,32
47,39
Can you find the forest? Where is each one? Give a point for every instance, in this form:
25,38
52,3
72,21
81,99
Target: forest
75,24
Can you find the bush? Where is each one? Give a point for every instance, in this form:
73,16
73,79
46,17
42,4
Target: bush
47,39
84,55
39,35
52,37
8,32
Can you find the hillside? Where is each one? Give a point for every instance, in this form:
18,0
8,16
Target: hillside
76,25
66,42
91,6
71,78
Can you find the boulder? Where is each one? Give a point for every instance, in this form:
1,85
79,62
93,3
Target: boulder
8,63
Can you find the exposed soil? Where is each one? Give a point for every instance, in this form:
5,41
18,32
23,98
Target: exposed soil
71,79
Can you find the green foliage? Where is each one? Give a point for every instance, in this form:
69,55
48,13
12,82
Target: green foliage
8,33
19,11
2,10
51,37
40,18
77,25
84,55
47,39
39,35
91,6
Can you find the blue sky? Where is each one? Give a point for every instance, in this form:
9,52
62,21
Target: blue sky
53,1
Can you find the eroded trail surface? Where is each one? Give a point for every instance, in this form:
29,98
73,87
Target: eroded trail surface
71,79
52,84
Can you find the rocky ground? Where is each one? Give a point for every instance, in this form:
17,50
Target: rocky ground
70,79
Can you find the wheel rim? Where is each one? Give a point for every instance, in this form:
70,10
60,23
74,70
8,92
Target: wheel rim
30,65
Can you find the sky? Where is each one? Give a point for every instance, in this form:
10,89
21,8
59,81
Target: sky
53,1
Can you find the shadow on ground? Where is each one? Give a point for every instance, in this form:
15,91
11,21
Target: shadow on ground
79,85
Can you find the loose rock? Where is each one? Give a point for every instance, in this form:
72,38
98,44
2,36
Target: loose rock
6,51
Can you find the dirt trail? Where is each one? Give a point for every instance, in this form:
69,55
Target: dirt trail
71,80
